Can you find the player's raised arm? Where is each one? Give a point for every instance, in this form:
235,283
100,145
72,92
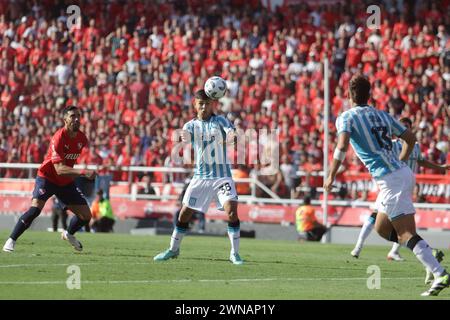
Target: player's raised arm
421,161
63,170
410,140
229,130
431,165
404,133
187,133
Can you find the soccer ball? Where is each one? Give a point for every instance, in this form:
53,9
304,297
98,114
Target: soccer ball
215,87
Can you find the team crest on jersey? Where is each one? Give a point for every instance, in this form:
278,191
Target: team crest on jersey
42,191
80,145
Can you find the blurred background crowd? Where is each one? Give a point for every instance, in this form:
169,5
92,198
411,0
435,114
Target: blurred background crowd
133,66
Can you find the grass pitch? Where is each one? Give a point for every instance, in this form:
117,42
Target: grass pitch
117,266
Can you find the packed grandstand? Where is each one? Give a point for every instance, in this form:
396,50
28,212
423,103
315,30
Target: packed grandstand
133,66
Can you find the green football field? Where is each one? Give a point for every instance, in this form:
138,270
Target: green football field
117,266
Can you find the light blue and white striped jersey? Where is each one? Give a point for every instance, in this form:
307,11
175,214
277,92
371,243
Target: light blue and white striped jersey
415,156
208,140
371,132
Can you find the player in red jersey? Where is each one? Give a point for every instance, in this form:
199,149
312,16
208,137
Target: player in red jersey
56,177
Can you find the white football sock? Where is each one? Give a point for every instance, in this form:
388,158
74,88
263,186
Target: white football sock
177,235
424,253
395,248
234,234
364,233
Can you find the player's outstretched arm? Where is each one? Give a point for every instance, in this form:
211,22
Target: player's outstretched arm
428,164
410,140
338,158
229,129
63,170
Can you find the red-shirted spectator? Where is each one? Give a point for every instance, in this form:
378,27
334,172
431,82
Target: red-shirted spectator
127,75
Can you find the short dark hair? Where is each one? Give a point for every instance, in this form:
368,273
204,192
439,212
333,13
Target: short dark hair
359,88
407,120
201,95
68,109
149,175
307,200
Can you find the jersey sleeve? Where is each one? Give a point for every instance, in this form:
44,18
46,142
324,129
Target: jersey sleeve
344,123
188,127
57,147
397,127
225,124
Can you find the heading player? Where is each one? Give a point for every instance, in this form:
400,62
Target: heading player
370,132
208,134
56,177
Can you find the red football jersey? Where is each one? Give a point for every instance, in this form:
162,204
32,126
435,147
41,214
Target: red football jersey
62,149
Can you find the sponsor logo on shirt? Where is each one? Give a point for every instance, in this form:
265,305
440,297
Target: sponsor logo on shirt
72,156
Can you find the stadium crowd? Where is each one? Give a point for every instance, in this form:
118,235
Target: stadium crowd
133,66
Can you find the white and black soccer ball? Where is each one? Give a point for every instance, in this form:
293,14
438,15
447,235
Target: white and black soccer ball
215,87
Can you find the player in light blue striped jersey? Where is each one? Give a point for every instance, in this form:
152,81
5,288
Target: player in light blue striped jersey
206,137
208,134
370,133
414,161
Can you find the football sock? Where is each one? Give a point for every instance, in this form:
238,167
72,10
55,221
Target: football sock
424,253
234,233
24,222
395,248
76,224
55,222
365,231
64,218
177,235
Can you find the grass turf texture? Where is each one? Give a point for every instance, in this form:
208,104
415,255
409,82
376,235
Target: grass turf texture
117,266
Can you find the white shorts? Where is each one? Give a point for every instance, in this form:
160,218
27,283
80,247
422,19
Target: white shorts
395,195
201,192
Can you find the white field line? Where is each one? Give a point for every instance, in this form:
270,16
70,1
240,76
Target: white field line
192,280
160,281
31,265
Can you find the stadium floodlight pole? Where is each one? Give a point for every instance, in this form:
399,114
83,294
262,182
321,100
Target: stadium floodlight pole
326,89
